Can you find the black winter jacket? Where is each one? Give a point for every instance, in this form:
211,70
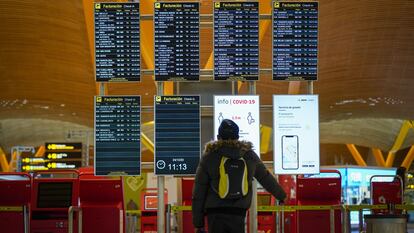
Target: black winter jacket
207,177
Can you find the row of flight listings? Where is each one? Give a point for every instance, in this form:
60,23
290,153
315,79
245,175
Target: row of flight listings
177,41
176,132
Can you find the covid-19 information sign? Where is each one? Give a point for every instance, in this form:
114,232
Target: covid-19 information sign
296,134
244,111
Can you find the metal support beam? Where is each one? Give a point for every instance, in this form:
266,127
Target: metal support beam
102,87
161,205
407,125
310,87
251,86
294,87
160,184
390,159
147,142
40,151
3,161
357,156
253,209
408,158
379,158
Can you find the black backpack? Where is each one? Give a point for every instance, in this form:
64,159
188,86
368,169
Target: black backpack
233,182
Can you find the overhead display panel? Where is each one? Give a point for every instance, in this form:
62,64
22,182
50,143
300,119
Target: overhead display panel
117,135
296,134
43,164
177,32
58,155
295,40
177,134
117,49
244,110
236,41
63,146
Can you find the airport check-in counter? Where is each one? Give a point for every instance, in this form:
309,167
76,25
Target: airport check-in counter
53,195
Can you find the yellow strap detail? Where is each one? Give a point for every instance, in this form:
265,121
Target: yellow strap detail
245,187
224,179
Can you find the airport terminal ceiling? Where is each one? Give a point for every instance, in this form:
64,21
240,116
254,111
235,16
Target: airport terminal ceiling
365,69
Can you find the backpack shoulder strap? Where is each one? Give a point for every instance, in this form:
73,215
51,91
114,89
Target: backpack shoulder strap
245,183
223,189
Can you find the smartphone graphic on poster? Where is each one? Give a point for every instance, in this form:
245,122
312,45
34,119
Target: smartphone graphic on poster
290,152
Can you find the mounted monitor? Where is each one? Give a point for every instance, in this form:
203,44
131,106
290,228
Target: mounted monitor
296,134
177,38
295,41
54,195
117,48
117,135
177,134
236,41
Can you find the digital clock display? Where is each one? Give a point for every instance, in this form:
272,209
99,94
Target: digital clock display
177,134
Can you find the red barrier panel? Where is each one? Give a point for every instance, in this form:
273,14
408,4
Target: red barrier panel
318,191
288,183
102,205
266,221
384,192
187,185
15,191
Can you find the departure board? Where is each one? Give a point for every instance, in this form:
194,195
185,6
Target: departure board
177,134
117,55
117,135
176,41
295,40
236,40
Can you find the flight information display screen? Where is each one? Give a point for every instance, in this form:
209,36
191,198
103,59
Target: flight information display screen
117,135
236,40
177,134
177,31
117,49
295,40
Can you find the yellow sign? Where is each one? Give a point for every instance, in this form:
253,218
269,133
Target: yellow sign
98,99
277,4
217,5
158,98
51,165
158,5
59,147
97,6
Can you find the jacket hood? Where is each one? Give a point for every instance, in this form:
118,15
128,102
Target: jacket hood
231,148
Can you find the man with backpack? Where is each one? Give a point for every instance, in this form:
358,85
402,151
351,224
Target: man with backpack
223,183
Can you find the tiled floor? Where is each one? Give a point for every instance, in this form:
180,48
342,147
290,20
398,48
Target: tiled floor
410,228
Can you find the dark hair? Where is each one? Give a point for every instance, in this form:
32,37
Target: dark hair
228,130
